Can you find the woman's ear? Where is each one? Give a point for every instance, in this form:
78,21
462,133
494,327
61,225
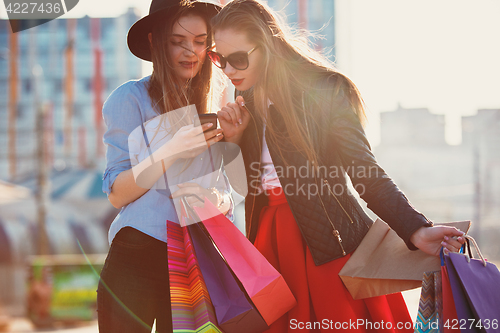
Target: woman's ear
150,37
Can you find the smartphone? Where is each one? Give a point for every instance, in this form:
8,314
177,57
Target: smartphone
207,118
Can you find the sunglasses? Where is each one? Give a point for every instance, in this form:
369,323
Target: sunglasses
237,60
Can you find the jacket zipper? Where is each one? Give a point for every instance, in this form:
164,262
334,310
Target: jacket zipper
335,232
330,190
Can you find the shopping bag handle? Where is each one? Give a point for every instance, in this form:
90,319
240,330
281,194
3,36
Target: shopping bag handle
441,253
200,225
188,208
465,248
470,239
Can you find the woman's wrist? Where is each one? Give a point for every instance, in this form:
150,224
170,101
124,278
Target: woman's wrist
236,139
417,237
166,153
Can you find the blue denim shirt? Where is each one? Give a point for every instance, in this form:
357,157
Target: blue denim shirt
124,111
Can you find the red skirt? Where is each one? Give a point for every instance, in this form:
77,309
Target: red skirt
323,302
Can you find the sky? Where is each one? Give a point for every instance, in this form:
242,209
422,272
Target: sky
443,55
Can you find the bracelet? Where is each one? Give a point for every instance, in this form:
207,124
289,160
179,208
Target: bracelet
220,198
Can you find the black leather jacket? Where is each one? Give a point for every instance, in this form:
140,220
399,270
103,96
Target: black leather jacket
332,222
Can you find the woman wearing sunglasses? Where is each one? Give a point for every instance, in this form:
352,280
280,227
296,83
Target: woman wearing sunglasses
147,138
298,122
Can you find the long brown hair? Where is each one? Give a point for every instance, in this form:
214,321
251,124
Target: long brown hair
167,93
293,72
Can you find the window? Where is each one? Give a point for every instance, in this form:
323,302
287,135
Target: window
87,84
27,86
21,110
58,86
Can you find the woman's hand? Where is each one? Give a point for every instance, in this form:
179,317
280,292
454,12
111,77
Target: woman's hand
233,119
188,189
431,239
189,142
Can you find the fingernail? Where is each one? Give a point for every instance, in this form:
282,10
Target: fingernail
242,103
236,124
209,124
446,251
444,243
446,238
240,121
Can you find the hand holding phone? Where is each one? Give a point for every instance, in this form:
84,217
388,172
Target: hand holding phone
207,118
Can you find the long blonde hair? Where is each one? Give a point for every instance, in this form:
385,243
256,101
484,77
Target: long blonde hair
293,72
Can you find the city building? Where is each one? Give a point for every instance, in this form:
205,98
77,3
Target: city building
481,138
416,127
445,182
54,79
64,68
436,177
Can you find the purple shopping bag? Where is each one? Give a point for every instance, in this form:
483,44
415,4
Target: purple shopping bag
462,306
480,284
234,311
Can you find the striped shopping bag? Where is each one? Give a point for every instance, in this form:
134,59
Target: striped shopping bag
192,310
430,307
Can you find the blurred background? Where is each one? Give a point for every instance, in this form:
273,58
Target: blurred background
428,71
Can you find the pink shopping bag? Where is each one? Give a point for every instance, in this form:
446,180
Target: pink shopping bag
264,284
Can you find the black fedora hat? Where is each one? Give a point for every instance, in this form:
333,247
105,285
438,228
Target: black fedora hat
137,38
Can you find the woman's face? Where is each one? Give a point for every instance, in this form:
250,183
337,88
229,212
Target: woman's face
229,41
188,46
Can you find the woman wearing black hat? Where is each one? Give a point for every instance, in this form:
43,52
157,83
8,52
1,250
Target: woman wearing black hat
134,286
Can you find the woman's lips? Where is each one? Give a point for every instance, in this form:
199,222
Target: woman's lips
188,64
237,82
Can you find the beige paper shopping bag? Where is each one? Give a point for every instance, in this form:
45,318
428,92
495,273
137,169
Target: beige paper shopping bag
382,264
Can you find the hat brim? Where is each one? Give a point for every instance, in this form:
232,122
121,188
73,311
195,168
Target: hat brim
137,38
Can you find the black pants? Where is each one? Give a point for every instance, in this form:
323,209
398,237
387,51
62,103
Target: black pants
134,288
